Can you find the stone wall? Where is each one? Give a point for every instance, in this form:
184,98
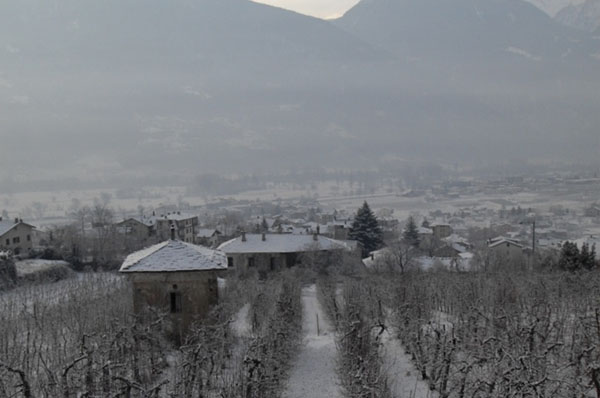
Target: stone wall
194,294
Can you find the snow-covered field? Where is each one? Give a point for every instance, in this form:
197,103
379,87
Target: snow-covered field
86,285
31,266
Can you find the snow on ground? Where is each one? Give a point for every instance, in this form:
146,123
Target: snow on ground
241,325
88,285
313,374
31,266
404,379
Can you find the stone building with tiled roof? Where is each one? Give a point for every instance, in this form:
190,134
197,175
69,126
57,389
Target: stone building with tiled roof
177,278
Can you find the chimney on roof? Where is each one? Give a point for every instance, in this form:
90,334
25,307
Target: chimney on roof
243,236
0,218
16,220
173,231
318,230
264,237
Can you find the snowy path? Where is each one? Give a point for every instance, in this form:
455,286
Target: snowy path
313,374
404,379
241,324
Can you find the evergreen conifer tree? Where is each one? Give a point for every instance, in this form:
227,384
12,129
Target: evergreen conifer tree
366,230
411,233
570,257
587,256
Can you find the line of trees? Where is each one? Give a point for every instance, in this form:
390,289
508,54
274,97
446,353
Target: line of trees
79,338
573,259
498,335
357,315
92,238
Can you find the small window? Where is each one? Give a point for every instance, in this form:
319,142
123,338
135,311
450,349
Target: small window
251,262
28,238
272,263
229,261
175,302
7,242
16,240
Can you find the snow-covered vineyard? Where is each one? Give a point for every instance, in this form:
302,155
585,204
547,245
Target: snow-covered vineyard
300,334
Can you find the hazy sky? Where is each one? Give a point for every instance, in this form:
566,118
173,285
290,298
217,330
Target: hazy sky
317,8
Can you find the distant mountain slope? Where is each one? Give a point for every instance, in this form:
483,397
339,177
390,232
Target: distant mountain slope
552,7
459,29
189,81
161,87
585,16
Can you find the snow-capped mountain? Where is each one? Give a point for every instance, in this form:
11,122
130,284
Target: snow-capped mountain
143,86
585,16
463,30
552,7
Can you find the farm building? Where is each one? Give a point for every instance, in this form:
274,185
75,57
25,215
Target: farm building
186,226
176,277
208,237
505,246
138,227
268,252
15,236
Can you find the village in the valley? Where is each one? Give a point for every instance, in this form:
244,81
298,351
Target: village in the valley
251,294
459,221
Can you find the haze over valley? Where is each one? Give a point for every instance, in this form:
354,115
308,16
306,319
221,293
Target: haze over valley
145,89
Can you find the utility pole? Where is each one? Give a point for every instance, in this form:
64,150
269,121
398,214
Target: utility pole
533,237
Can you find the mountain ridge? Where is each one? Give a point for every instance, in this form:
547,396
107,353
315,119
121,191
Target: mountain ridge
230,85
584,16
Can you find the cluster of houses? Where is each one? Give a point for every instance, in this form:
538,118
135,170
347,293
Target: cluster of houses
181,272
183,277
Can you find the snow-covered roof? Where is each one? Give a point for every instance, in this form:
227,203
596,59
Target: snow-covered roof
425,231
460,248
176,216
6,226
341,223
376,256
281,243
497,242
147,221
454,238
173,256
207,233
